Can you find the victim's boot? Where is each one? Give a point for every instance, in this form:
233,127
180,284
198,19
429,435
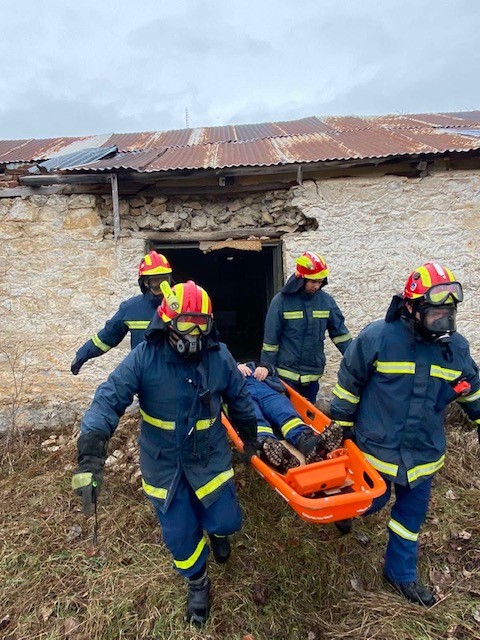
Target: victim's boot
276,454
221,547
198,599
312,446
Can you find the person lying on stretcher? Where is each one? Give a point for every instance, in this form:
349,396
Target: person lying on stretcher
277,419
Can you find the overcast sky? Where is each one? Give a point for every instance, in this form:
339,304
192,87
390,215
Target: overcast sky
99,66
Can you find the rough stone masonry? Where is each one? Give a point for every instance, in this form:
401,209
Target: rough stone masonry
62,275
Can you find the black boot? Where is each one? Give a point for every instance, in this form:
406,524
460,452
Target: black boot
333,436
312,446
220,547
344,526
413,591
277,455
198,599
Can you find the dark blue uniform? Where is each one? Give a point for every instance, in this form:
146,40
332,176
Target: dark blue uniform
294,335
185,457
275,414
393,387
133,315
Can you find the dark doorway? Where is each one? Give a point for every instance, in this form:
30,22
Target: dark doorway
241,285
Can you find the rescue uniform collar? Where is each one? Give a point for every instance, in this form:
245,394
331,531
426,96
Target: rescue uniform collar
296,285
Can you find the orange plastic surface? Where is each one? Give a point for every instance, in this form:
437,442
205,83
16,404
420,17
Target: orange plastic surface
350,487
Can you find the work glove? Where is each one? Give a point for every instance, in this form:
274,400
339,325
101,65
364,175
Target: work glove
77,364
87,479
251,448
349,433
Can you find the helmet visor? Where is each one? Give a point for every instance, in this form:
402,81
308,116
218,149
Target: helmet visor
439,319
185,323
450,292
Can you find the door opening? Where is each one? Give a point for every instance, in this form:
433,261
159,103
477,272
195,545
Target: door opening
240,284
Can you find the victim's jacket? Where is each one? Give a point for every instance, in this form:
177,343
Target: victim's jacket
294,335
133,315
180,402
393,387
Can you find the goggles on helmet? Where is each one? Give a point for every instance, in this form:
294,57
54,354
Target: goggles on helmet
185,323
444,293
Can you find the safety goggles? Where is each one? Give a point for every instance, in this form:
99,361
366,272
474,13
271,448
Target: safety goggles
444,293
154,282
185,323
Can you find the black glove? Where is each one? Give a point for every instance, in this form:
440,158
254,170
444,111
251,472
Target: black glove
349,433
77,364
87,479
251,448
478,434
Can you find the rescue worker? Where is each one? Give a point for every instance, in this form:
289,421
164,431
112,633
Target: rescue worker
394,383
277,419
182,374
295,326
133,315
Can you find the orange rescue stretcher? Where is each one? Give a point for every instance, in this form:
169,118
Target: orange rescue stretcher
338,488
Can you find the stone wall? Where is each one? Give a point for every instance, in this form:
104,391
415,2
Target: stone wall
62,275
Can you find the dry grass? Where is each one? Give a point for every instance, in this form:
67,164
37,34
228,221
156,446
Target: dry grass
286,579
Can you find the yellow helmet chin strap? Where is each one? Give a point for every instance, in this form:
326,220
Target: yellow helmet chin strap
169,296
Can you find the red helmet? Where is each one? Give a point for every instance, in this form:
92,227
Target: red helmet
311,266
187,307
433,282
154,264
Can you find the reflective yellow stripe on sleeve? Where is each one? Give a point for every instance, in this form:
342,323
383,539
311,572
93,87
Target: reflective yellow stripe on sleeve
402,531
310,378
156,422
425,469
289,375
394,367
470,398
101,345
343,394
293,315
445,374
343,338
270,347
384,467
321,314
291,424
214,484
201,425
137,324
156,492
190,561
344,423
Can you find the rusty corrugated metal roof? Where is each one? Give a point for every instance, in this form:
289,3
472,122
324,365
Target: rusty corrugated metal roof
311,139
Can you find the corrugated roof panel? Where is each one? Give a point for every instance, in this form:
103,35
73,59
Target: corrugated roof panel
469,117
218,134
436,119
130,160
252,153
304,126
81,157
245,132
130,141
379,143
442,142
177,138
314,148
348,123
32,150
197,157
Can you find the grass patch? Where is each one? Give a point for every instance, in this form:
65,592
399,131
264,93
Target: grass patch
286,580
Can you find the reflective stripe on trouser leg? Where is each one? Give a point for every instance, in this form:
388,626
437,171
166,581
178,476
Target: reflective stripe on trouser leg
274,408
182,530
224,516
407,516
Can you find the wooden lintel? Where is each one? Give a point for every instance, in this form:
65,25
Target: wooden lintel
158,190
193,236
24,192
